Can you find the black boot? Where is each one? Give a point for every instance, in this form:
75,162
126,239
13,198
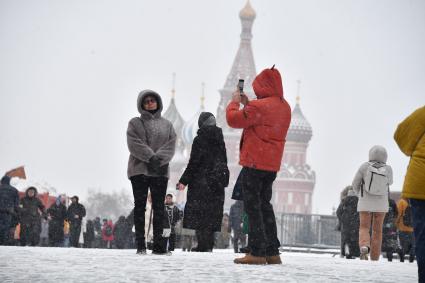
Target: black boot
401,257
141,248
390,256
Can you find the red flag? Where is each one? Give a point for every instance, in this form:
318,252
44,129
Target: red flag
17,172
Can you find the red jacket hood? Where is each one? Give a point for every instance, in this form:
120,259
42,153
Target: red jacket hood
268,83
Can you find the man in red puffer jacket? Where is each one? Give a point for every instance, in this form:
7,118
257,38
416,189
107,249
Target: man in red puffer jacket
265,122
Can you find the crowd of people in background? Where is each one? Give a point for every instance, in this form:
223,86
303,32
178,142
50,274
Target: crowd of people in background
397,228
27,222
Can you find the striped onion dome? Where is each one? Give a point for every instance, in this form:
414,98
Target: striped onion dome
173,115
191,127
300,129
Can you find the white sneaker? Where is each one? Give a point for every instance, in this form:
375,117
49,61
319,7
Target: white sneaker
364,253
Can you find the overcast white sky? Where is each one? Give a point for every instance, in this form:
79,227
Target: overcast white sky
70,72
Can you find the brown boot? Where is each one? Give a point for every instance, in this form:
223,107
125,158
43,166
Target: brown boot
274,259
250,259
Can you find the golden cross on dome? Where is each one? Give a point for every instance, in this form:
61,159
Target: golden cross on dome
298,91
173,90
203,95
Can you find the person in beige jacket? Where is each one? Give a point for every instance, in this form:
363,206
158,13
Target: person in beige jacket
372,206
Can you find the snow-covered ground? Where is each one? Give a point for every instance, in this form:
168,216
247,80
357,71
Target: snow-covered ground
28,264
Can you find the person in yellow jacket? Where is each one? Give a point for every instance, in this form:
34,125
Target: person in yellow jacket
410,137
405,230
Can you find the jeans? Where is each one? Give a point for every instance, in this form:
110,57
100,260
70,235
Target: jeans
418,213
257,193
158,186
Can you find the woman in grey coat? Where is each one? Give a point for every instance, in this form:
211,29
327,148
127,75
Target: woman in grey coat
151,141
373,203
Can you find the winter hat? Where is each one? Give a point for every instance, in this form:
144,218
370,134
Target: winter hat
206,119
5,180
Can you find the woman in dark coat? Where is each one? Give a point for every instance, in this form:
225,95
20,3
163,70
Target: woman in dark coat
349,219
57,216
30,217
205,197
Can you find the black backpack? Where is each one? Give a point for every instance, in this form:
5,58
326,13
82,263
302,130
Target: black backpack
407,217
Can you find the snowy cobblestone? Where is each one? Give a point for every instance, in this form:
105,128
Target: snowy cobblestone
28,264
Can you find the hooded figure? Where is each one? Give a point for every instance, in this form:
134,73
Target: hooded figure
75,213
203,211
30,217
9,204
349,219
265,123
151,140
369,202
57,216
372,207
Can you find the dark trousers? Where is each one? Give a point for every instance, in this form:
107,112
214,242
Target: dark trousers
171,242
5,224
158,187
30,233
418,213
257,193
75,231
238,236
205,240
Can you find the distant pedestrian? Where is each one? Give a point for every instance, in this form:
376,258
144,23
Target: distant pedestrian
122,233
108,234
173,215
89,239
222,238
372,183
57,215
75,214
349,220
405,230
9,205
31,209
389,231
410,137
235,223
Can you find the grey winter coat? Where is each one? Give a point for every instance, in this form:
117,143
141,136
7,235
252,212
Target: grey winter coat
149,135
368,202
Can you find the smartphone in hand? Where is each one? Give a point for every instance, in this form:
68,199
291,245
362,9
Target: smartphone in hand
240,86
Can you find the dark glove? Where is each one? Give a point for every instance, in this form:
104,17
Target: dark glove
154,163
